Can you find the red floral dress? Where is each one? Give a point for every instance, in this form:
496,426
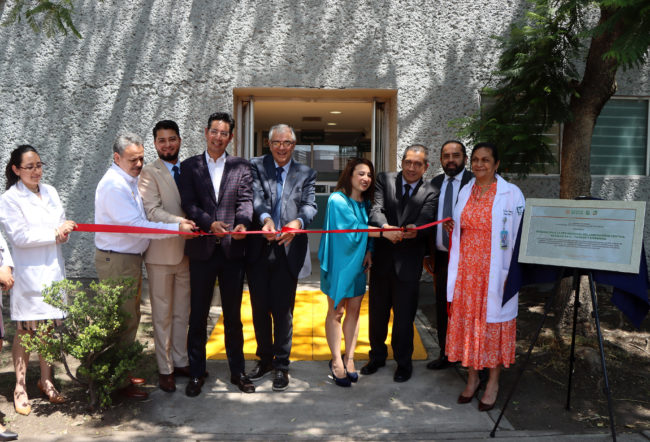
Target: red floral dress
470,339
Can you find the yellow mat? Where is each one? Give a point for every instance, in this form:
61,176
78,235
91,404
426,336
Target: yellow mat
309,343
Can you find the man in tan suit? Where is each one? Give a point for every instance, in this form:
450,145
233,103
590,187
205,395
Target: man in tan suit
167,265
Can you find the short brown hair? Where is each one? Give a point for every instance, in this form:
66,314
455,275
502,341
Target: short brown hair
345,180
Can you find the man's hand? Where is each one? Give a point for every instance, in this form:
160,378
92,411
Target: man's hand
448,226
287,237
411,233
6,278
219,227
186,226
269,226
394,236
239,228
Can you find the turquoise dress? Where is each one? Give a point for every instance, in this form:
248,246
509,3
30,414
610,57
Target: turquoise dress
341,254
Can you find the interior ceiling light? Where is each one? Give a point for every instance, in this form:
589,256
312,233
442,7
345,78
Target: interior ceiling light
331,124
335,112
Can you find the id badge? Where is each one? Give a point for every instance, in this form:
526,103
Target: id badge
504,236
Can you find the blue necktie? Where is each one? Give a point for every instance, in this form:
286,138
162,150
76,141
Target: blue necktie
177,175
278,197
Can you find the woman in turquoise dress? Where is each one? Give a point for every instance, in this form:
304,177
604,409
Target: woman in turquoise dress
344,260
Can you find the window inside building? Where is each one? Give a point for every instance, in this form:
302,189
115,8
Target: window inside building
619,145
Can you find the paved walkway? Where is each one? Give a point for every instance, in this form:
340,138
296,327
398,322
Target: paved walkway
314,408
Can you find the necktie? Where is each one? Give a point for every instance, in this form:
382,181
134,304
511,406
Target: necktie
406,195
447,209
177,175
278,198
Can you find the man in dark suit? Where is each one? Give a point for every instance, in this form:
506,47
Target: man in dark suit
284,195
217,194
401,199
453,158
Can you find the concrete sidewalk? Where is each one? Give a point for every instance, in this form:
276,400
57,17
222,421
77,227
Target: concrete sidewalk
314,408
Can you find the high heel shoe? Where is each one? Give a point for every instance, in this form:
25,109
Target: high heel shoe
467,399
482,406
23,408
341,382
352,375
54,396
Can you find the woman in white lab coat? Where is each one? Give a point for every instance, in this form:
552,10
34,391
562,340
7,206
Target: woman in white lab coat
32,216
482,331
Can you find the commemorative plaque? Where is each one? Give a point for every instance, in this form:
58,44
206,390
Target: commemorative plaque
589,234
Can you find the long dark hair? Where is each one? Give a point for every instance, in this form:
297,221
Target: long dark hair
345,180
14,160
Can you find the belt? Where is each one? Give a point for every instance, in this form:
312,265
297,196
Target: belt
120,253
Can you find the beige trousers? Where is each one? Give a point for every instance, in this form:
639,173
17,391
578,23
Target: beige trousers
113,265
169,292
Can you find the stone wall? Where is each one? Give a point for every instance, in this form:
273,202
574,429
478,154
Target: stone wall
144,60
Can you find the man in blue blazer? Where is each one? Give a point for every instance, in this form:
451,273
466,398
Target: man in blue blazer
284,196
217,194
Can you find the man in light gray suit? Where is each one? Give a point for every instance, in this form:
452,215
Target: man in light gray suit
283,195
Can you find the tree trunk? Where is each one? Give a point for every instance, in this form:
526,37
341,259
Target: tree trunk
597,86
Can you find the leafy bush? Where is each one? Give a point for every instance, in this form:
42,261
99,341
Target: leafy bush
90,333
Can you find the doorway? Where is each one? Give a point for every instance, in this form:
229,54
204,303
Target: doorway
331,126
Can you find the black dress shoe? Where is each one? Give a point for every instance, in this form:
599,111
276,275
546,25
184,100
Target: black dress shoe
8,435
372,366
194,387
280,380
402,374
439,364
260,370
243,382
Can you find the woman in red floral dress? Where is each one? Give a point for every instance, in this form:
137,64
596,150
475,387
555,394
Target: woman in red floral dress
482,331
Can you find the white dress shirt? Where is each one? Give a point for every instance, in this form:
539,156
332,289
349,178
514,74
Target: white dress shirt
30,224
215,167
441,202
118,202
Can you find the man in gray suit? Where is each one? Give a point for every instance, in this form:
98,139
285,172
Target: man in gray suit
283,196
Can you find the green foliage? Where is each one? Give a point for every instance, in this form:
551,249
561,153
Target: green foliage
630,50
537,75
91,334
44,15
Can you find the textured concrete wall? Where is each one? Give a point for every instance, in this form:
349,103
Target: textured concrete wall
144,60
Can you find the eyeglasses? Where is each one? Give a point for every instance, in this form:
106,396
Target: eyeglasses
285,143
37,166
414,164
216,133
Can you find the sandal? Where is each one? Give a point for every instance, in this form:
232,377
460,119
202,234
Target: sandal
54,396
24,407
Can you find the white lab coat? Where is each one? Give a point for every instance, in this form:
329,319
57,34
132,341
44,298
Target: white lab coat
507,210
30,224
5,258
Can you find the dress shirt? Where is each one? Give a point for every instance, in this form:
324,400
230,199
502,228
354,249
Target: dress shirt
286,168
118,202
215,167
169,166
413,186
456,187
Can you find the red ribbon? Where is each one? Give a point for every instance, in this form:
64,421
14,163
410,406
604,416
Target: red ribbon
111,228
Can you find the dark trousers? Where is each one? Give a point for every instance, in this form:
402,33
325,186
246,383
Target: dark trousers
440,269
273,294
386,292
203,275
